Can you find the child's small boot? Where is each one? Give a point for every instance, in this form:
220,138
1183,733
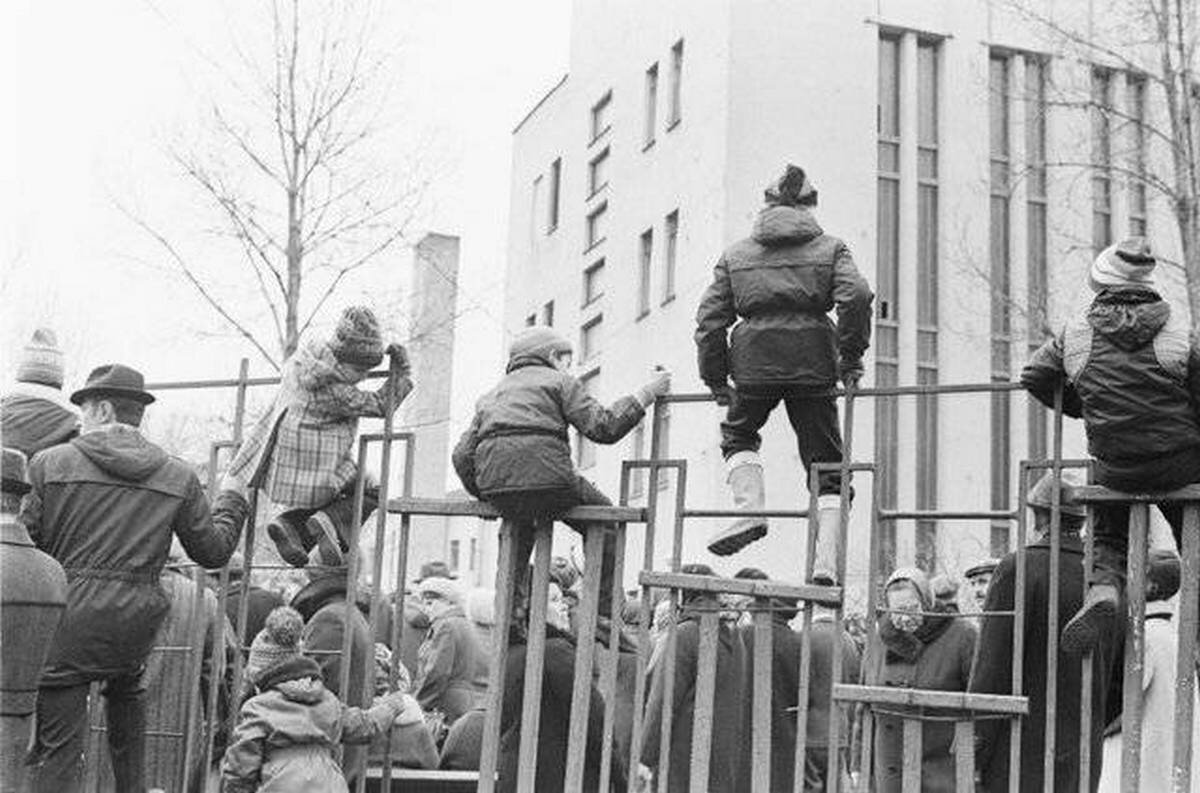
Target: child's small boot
290,534
333,525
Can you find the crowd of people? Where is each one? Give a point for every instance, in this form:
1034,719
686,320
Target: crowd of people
122,520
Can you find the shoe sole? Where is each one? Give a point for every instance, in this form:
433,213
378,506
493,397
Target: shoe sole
330,547
733,543
287,542
1083,631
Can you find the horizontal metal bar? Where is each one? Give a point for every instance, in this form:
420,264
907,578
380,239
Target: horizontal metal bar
935,514
899,390
670,463
233,382
481,509
738,513
423,775
1071,462
825,595
396,435
1097,494
922,698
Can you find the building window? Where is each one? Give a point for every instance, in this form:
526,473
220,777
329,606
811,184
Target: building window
1137,180
651,105
596,226
598,172
601,122
1000,285
888,282
589,338
676,109
552,198
1037,251
454,551
586,449
472,559
593,282
531,320
548,314
645,260
927,298
637,477
535,210
671,233
1102,80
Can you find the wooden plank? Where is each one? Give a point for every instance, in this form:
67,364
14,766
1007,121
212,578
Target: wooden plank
535,659
1135,649
506,567
825,595
933,514
608,671
760,726
667,662
922,698
1185,662
1097,494
706,686
964,755
199,623
1086,676
739,513
581,691
799,760
913,735
414,505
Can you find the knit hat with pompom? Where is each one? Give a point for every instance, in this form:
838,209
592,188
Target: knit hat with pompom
278,641
357,339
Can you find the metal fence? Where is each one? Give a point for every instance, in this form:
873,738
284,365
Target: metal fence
862,701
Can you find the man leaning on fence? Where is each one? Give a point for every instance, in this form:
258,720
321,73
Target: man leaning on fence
105,506
1130,368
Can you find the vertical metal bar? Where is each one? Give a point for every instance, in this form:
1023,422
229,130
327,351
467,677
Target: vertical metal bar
872,649
1051,732
352,574
397,605
804,693
535,657
913,735
217,662
833,765
1135,649
667,661
760,728
964,755
191,715
243,606
608,672
1185,662
581,690
1018,628
706,686
506,568
1086,673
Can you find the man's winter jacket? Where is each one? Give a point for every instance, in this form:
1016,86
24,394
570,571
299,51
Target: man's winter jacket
518,440
452,676
1131,371
782,282
105,506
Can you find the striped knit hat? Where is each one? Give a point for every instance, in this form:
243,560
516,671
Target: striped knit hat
41,360
277,641
1129,262
357,339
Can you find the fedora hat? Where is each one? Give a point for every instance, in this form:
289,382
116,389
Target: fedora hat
14,478
114,380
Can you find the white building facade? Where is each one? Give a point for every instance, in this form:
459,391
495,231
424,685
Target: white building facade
938,137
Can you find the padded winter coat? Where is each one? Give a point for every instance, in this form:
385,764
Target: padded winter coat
452,676
1131,371
518,440
35,417
782,282
105,506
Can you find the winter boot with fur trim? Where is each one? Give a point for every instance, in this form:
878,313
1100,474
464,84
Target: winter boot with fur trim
749,494
829,526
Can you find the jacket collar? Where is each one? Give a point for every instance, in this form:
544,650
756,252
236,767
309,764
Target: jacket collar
40,391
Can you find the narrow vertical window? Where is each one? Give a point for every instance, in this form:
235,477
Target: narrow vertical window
600,116
676,108
887,363
593,282
589,338
651,105
645,262
1037,251
598,172
927,298
552,197
548,314
1137,180
596,226
471,560
454,554
1101,159
1000,285
671,232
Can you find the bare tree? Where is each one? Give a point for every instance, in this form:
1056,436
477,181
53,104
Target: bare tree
290,171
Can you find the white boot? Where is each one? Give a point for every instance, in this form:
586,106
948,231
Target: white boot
829,527
745,479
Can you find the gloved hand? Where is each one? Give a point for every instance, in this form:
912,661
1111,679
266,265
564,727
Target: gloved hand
851,373
723,393
659,385
398,358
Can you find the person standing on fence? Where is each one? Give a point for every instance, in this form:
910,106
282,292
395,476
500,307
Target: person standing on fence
1130,368
33,413
308,435
781,283
922,649
993,666
106,505
516,453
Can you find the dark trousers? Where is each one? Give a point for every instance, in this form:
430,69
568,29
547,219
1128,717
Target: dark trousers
340,512
62,725
814,419
526,507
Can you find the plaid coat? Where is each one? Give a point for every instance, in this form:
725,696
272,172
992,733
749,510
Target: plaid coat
314,421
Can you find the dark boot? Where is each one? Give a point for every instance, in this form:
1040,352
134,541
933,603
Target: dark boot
333,525
1097,614
291,537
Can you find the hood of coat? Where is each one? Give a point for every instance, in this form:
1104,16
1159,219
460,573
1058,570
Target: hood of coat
297,678
784,225
318,593
527,359
315,366
121,451
1129,317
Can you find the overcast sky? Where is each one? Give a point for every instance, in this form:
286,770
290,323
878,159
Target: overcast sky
93,92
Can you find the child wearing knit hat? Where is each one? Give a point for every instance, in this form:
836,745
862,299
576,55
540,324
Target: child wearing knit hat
34,415
288,731
302,451
516,453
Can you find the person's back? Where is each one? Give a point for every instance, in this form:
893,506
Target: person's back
33,413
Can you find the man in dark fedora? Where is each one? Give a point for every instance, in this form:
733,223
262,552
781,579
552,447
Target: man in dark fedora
105,506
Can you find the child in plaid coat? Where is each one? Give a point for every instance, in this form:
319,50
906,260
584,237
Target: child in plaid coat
302,451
